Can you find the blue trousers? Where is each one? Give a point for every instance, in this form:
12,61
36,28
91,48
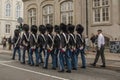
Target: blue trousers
54,58
16,49
46,59
74,59
23,54
31,56
82,56
40,54
68,59
61,60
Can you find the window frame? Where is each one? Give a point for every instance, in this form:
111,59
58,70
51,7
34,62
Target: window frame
8,9
18,10
32,16
7,28
66,10
48,14
103,19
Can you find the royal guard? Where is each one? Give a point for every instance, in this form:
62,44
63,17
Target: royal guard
33,45
80,45
56,47
42,42
63,57
25,42
50,42
16,44
72,46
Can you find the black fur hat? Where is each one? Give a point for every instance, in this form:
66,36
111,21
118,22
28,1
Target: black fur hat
49,28
57,29
34,29
26,27
16,32
42,29
63,27
79,28
71,28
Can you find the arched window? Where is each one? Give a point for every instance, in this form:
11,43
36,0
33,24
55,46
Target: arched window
67,12
18,10
32,16
8,9
48,14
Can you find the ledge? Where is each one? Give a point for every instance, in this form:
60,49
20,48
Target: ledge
101,24
25,0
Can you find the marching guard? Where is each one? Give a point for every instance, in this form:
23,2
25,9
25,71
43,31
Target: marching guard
42,42
56,47
64,56
33,45
25,42
80,45
50,42
72,46
16,44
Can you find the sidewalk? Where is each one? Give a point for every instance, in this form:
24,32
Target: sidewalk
112,59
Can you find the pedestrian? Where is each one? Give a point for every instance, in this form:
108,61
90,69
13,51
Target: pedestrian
25,42
80,45
16,44
86,44
4,40
33,46
100,49
10,42
93,39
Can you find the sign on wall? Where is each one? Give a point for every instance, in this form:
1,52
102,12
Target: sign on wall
115,46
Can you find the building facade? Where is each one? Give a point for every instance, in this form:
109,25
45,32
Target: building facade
10,11
92,14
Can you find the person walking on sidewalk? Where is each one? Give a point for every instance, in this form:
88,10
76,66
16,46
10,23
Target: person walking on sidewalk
100,49
4,40
10,42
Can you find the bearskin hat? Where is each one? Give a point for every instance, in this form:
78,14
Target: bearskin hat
49,28
79,28
42,29
57,29
63,27
34,29
16,32
71,28
26,27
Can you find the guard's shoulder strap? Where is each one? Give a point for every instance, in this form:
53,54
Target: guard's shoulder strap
35,38
80,37
27,38
43,37
74,37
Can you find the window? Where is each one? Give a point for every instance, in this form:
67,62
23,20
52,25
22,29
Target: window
7,28
8,9
67,12
48,14
18,10
32,16
101,11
